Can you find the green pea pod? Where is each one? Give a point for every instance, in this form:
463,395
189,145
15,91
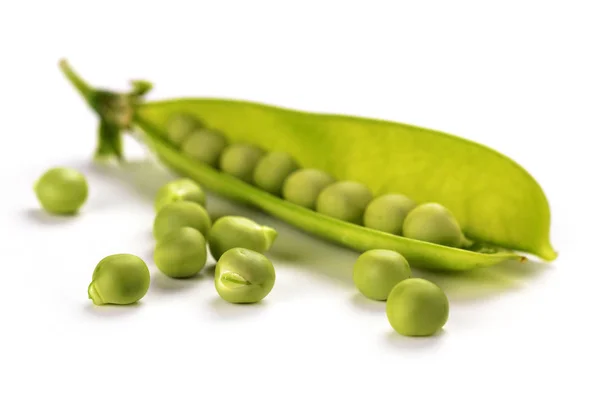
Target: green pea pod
498,204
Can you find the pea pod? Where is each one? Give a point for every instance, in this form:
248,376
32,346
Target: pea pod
498,204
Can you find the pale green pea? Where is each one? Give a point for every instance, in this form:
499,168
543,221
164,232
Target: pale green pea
272,170
303,186
180,126
61,190
344,200
181,253
387,213
205,145
417,307
240,159
119,279
177,190
181,214
229,232
377,271
432,222
244,276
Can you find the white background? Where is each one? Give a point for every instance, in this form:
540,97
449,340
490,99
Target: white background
519,76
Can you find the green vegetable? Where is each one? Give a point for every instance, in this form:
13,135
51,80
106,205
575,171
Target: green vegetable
377,271
272,170
181,214
244,276
494,199
387,213
240,159
180,189
180,126
417,307
432,222
119,279
230,232
61,190
304,186
205,145
181,253
345,201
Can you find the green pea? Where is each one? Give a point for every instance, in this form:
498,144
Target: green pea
244,276
417,307
344,200
303,186
119,279
240,159
61,190
377,271
272,170
180,126
181,253
205,145
230,232
180,189
181,214
387,213
432,222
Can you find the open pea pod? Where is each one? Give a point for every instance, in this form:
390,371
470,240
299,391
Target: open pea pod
498,204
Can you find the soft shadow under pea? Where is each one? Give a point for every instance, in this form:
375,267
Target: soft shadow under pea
399,342
112,311
225,310
365,304
162,284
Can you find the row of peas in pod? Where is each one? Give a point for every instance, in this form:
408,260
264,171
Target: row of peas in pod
279,174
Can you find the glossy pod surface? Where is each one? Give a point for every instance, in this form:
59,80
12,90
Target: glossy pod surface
494,199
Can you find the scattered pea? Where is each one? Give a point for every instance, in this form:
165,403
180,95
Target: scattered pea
181,253
432,222
387,213
180,189
377,271
181,214
205,145
229,232
417,307
119,279
180,126
272,170
244,276
240,159
344,200
303,186
61,190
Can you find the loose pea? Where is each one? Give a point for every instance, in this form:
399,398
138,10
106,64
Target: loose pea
61,190
344,200
205,145
229,232
432,222
181,253
387,213
119,279
180,126
240,159
272,170
377,271
244,276
303,186
417,307
181,214
180,189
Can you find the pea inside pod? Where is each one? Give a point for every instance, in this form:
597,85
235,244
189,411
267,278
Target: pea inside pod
303,187
272,170
205,145
345,200
432,222
240,159
387,212
180,126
